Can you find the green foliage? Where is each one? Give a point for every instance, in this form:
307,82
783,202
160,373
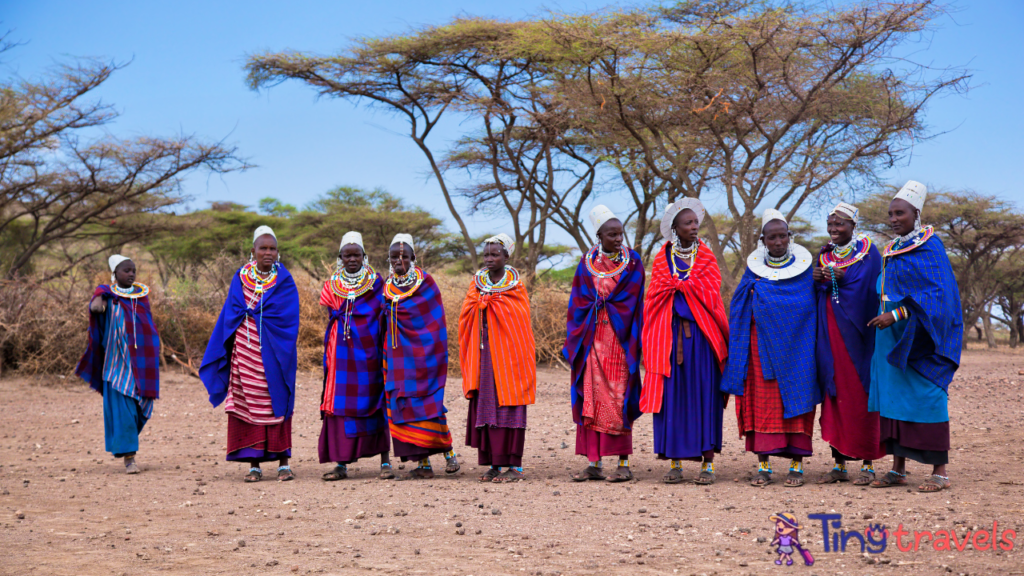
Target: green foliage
274,207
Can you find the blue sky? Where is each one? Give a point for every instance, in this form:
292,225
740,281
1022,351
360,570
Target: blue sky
186,76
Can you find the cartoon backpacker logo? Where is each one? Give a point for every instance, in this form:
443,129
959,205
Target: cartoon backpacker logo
787,538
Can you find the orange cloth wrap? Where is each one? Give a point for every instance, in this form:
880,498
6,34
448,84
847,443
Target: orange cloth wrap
513,352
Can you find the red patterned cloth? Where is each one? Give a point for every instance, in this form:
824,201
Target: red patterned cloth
702,289
271,439
760,408
248,393
606,374
845,421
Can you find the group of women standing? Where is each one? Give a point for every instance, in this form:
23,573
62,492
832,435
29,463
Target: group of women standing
874,338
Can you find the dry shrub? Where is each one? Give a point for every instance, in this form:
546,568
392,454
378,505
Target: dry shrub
43,329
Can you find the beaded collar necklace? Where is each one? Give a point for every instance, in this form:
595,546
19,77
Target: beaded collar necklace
848,255
414,277
258,282
622,258
508,281
684,254
908,242
352,286
137,290
779,262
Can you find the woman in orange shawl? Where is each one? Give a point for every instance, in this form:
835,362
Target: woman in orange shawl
685,343
499,370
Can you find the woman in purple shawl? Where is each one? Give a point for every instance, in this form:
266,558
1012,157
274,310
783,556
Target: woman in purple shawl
251,360
603,346
122,361
844,280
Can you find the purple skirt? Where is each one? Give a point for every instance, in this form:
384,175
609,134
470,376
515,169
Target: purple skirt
336,447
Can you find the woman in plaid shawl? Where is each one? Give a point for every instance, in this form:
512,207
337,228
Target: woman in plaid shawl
352,402
685,342
251,360
917,345
499,369
603,346
416,363
122,361
771,365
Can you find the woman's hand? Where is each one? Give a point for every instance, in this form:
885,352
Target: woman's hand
818,274
883,321
98,305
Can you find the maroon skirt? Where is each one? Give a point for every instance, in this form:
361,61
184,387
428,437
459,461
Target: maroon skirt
335,446
495,446
594,445
257,442
920,442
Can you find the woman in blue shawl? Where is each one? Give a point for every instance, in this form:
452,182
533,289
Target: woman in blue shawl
122,361
603,346
917,344
844,278
251,360
771,366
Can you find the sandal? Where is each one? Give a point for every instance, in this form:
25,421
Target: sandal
705,478
418,474
761,479
589,473
891,478
794,479
452,466
834,476
490,475
130,467
934,483
619,476
674,476
285,474
864,478
510,475
254,475
339,473
386,472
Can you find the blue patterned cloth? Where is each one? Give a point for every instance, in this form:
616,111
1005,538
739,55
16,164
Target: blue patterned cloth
922,280
785,314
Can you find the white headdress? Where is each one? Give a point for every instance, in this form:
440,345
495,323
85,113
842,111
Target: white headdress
677,207
263,231
113,262
913,192
848,211
599,215
352,238
505,240
771,214
403,239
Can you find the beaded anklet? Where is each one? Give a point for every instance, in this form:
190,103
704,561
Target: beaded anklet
676,465
623,462
425,464
840,467
796,466
764,467
710,467
868,469
449,455
596,464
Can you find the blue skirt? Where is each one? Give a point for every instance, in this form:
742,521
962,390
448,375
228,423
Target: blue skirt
123,420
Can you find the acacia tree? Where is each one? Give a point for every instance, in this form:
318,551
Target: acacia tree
753,103
980,233
72,197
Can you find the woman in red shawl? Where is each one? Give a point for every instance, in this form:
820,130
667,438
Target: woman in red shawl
685,343
499,370
603,346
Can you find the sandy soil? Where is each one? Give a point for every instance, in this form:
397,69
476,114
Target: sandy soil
66,507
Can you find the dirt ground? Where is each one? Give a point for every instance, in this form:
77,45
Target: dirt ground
68,508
